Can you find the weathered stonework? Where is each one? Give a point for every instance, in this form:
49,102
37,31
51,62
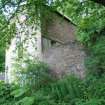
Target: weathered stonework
64,59
24,45
67,56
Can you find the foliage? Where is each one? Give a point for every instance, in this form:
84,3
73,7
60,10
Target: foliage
96,63
11,8
89,18
67,91
39,88
91,34
5,94
2,59
34,74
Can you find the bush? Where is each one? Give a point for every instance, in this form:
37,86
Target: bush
37,87
92,36
34,74
96,62
70,90
5,94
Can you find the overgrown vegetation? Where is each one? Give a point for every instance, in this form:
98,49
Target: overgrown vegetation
2,59
89,18
92,37
33,73
35,85
67,91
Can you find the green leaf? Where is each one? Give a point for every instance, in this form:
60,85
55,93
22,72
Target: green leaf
26,101
19,92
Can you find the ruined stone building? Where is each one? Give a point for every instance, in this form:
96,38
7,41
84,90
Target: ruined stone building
55,44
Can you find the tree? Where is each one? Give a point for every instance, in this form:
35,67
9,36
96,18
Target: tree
10,8
100,2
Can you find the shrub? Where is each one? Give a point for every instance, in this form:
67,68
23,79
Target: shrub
96,62
5,94
34,74
70,90
37,87
92,36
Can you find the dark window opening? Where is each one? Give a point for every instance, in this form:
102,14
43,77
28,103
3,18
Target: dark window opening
47,43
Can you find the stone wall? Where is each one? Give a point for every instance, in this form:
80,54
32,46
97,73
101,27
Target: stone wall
69,55
58,28
25,45
67,58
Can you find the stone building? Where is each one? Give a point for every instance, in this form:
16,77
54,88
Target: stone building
56,44
60,50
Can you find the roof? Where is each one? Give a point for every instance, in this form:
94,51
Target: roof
60,14
65,17
57,27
